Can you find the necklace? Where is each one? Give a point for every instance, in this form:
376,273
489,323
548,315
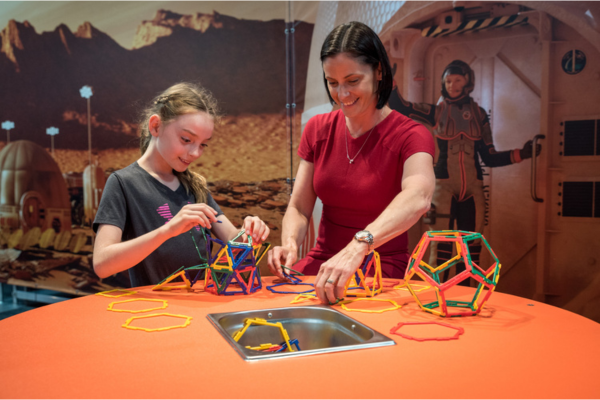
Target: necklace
351,160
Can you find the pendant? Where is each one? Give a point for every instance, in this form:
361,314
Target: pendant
351,161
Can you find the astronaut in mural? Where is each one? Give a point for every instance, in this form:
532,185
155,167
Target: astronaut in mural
463,135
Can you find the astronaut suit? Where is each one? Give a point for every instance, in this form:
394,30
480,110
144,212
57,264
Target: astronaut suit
463,136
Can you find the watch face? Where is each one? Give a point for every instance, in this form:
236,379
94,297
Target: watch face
364,236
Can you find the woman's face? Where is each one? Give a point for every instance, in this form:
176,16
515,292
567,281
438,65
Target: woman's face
454,85
182,140
352,84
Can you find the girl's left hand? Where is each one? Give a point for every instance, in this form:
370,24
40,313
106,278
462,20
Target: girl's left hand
331,281
256,228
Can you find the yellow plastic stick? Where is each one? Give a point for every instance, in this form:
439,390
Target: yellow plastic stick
105,294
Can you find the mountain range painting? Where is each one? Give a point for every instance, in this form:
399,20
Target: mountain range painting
241,61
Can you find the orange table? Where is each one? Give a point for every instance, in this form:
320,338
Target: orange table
516,348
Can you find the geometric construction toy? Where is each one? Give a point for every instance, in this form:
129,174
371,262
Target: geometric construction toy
111,305
124,293
395,305
415,286
358,286
303,297
232,270
166,328
272,287
486,277
459,331
293,280
260,321
275,348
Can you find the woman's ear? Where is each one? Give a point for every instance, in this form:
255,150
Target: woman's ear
154,124
378,73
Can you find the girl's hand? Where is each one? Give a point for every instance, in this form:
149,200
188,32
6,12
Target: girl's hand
337,271
189,216
282,255
256,228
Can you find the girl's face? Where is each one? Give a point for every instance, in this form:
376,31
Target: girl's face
182,140
454,85
352,84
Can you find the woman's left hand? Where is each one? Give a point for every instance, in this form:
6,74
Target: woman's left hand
335,273
256,228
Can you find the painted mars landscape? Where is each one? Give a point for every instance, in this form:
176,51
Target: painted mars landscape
247,163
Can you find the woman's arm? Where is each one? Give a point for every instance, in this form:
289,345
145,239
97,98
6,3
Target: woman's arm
295,220
418,184
111,255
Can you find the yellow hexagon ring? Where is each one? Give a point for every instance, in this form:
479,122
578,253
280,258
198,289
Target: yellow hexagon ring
111,305
166,328
105,294
394,304
413,286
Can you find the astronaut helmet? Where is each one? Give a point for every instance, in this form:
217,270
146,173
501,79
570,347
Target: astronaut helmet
461,68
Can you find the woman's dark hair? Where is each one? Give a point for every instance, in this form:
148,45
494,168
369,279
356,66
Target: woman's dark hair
360,41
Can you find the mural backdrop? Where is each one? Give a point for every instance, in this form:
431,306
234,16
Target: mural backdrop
72,98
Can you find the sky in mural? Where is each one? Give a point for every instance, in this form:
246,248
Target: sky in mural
120,19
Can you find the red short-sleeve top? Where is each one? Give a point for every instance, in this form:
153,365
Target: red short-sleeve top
355,194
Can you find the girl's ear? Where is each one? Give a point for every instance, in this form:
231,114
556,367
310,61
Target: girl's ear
154,123
378,73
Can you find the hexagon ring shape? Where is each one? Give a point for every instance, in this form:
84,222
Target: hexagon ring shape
166,328
125,293
111,305
395,305
459,331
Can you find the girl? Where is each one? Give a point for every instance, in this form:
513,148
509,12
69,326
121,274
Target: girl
371,166
148,208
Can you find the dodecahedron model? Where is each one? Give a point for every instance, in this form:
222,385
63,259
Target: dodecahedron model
486,277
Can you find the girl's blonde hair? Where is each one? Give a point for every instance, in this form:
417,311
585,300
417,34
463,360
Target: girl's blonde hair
180,99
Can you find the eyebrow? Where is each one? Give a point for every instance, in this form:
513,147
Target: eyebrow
190,132
352,74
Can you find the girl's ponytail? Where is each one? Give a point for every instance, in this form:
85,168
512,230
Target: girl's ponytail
195,183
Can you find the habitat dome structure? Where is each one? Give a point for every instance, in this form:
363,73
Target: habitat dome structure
33,192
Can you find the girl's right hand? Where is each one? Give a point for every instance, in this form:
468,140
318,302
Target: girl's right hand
282,255
189,216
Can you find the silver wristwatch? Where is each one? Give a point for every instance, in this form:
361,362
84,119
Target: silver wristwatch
366,237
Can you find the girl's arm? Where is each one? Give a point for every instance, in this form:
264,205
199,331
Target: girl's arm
111,255
295,220
252,226
418,184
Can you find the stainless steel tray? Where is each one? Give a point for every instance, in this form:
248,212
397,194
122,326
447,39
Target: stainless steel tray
319,329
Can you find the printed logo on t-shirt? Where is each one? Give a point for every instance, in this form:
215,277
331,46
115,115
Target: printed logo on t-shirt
165,212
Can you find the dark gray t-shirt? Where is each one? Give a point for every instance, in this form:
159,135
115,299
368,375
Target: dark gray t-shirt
138,203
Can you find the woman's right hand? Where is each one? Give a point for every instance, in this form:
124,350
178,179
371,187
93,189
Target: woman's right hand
282,255
189,216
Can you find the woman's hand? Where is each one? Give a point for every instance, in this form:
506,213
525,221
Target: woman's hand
189,216
256,228
282,255
331,281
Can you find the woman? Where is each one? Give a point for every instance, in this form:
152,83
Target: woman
371,167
